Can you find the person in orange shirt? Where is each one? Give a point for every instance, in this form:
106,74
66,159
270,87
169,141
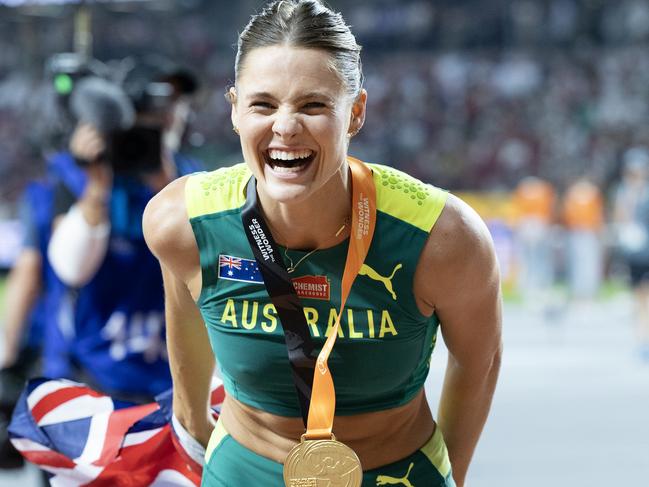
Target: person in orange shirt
534,202
583,217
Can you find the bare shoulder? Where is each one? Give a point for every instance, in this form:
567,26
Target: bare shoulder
459,254
164,217
167,230
459,234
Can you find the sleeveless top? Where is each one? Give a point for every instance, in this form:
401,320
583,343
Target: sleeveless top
382,354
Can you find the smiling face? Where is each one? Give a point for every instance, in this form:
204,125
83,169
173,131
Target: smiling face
293,117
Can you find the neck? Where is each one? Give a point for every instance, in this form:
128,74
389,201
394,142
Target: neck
312,223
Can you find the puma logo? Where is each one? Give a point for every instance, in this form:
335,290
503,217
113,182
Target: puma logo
386,479
387,281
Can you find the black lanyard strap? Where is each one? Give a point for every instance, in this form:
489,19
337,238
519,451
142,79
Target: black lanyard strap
280,288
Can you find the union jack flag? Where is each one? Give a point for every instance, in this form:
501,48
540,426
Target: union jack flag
85,438
229,261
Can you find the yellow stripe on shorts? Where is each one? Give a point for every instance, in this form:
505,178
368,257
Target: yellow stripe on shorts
436,452
216,437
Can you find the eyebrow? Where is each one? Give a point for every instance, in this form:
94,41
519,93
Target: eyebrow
260,94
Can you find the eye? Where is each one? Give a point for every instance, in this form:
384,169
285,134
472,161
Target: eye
262,105
313,105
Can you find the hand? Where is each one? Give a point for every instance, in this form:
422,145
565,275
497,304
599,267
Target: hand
203,433
9,357
87,143
188,445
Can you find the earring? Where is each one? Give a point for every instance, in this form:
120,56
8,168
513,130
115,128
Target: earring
235,129
353,133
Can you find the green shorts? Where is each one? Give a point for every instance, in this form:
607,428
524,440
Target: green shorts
230,464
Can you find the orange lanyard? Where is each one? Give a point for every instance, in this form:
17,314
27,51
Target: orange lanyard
323,396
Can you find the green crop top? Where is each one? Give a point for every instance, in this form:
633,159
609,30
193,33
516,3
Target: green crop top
382,354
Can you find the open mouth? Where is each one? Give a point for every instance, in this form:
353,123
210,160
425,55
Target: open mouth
289,162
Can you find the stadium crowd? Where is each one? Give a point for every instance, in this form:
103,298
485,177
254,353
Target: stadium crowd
470,119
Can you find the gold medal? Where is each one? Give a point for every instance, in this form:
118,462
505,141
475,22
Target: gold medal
320,463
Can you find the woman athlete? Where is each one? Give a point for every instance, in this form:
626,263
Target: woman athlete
296,102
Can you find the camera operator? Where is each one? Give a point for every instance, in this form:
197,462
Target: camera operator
111,320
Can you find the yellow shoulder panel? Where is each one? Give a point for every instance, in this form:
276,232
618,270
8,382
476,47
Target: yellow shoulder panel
406,198
216,191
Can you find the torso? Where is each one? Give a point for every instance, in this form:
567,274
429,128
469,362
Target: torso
378,438
366,353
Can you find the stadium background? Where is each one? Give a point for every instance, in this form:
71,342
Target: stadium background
470,95
556,88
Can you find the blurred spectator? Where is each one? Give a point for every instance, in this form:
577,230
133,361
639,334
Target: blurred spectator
110,322
32,285
583,217
21,292
534,205
24,284
631,227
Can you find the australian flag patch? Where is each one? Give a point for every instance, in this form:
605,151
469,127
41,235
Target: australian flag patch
239,269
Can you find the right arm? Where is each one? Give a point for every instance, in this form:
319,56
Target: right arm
170,238
81,228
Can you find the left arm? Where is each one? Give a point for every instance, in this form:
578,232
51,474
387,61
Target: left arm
465,294
22,290
24,284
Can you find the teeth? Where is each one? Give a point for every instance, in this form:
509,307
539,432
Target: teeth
289,156
288,169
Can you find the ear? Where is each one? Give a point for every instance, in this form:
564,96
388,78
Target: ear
358,113
231,96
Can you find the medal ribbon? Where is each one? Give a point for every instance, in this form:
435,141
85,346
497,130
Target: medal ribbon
313,380
323,397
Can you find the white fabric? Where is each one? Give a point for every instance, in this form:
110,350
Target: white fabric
190,444
77,249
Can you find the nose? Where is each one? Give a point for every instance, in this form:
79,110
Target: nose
286,125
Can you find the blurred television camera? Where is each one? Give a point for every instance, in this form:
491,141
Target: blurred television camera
128,147
128,106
